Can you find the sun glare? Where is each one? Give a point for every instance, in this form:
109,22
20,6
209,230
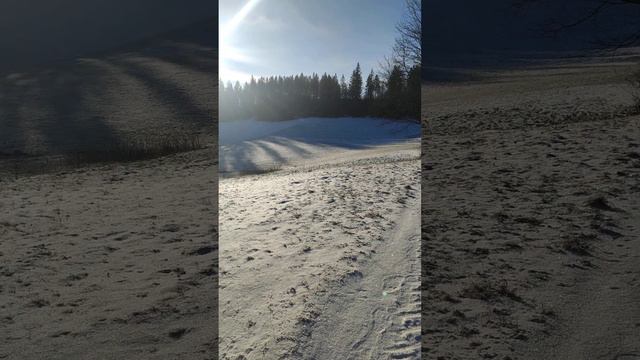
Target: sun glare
231,55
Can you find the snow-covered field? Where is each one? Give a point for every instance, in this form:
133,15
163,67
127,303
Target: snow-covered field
252,146
320,259
530,203
109,261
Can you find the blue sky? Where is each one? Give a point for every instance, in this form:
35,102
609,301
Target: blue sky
285,37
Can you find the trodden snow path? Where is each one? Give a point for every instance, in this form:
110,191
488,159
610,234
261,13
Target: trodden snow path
291,240
376,314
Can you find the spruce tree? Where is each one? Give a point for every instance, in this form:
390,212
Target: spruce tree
336,90
369,90
413,92
289,97
344,88
355,86
395,93
314,83
377,87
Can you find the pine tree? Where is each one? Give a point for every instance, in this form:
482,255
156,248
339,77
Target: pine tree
413,93
324,88
395,92
289,97
369,89
335,88
379,88
344,88
355,86
315,86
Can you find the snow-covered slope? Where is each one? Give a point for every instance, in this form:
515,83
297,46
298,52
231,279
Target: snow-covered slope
253,145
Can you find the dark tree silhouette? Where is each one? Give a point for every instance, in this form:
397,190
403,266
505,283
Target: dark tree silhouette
369,91
394,97
355,85
289,97
377,87
344,88
413,95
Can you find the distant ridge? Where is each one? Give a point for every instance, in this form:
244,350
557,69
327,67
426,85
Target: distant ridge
44,32
202,33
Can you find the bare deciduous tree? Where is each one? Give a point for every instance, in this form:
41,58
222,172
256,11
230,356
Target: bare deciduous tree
407,49
408,46
595,11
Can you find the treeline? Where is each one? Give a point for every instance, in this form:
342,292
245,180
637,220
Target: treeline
396,95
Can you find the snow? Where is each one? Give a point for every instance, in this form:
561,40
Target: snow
252,144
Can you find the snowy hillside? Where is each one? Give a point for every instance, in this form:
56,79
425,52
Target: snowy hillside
253,145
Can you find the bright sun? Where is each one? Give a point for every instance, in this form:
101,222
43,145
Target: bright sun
231,55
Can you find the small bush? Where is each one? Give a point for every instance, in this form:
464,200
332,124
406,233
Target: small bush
135,150
123,151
